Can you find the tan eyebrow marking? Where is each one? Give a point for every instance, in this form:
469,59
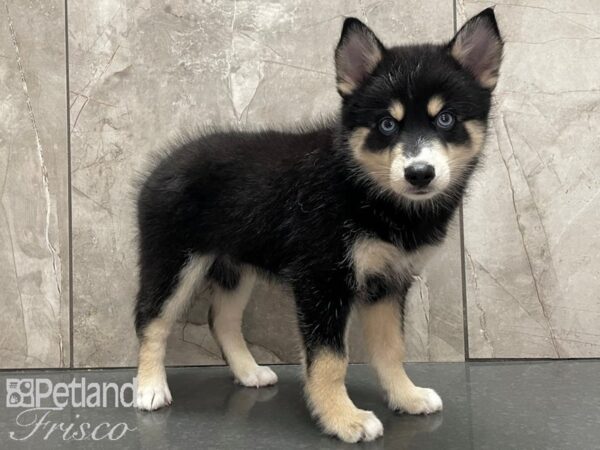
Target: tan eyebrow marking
396,109
435,105
345,88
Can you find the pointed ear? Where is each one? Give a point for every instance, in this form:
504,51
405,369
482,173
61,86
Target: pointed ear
357,54
478,48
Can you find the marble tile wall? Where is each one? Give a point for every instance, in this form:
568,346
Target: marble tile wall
34,239
141,71
531,224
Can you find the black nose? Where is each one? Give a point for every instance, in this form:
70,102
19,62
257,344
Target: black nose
419,174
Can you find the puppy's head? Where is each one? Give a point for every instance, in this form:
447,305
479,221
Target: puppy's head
415,117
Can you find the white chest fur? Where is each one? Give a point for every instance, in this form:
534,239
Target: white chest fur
374,257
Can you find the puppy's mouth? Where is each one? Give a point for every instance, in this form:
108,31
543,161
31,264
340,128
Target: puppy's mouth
420,193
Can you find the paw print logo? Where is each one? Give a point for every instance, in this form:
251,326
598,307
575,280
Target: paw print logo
19,393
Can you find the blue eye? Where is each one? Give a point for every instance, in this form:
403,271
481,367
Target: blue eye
388,126
445,121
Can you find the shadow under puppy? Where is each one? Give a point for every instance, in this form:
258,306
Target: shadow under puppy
347,212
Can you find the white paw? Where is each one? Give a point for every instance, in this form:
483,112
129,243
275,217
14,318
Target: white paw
257,377
356,425
418,401
153,394
372,427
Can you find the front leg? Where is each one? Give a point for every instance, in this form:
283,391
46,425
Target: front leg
323,316
382,327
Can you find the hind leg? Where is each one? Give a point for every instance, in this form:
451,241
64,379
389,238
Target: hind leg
162,298
232,286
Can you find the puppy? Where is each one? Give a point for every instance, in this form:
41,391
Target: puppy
346,212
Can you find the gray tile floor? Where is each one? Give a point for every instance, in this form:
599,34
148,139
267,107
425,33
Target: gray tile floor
500,405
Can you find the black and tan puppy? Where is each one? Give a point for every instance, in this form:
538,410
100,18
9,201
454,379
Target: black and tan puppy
347,212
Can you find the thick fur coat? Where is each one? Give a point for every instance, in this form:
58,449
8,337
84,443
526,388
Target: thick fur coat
346,212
